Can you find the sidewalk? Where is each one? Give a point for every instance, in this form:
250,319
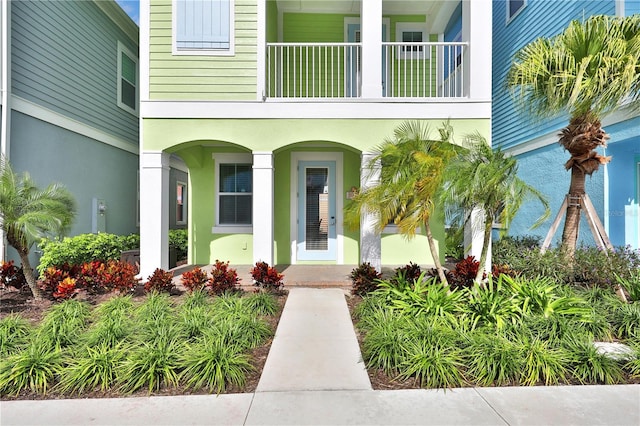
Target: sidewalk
314,375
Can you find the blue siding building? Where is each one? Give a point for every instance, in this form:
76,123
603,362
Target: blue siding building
615,188
70,85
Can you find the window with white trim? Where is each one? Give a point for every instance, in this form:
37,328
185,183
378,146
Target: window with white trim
411,33
127,80
203,27
234,193
181,203
514,7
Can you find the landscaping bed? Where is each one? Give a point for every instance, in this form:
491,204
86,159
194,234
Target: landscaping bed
536,319
99,346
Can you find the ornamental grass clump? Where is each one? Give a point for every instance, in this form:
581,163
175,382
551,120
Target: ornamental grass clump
63,323
14,334
212,363
153,364
93,367
432,365
492,359
626,321
34,368
590,366
262,303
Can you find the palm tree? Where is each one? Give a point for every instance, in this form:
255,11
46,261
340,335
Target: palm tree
486,179
589,71
411,168
28,213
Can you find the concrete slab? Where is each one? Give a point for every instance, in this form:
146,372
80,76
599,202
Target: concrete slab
229,409
407,407
315,346
566,405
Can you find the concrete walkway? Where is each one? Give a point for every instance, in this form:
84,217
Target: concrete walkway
315,346
314,376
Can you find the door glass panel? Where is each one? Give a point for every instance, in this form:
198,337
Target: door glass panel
317,208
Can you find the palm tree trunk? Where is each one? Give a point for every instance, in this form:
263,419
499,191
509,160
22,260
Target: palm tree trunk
28,275
434,254
488,224
572,219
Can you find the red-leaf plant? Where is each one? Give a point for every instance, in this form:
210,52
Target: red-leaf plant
194,280
160,281
266,277
223,278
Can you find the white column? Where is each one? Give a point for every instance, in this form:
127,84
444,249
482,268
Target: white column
154,212
476,29
371,36
370,243
263,207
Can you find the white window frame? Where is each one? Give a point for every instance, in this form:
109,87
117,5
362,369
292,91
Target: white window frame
229,159
517,12
230,51
184,203
402,27
123,49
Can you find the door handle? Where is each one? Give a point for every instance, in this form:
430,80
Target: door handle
333,221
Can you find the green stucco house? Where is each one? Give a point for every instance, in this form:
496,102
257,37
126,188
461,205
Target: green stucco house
276,108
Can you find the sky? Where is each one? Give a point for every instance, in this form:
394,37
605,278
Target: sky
132,7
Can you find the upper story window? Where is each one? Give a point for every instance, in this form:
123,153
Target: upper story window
127,80
514,7
413,34
203,27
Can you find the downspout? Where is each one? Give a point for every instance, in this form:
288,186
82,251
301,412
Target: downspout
605,191
5,88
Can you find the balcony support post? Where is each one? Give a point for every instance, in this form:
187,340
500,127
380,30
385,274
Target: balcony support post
476,18
371,35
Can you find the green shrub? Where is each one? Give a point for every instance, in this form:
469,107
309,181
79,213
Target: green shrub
491,305
454,242
178,240
626,320
85,248
631,285
542,363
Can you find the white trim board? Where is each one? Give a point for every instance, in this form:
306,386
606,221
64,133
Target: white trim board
41,113
293,222
402,110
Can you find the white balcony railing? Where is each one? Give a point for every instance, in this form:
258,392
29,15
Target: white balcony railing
333,70
313,70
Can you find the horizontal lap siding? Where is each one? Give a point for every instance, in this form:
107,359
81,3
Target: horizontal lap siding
64,58
207,78
538,18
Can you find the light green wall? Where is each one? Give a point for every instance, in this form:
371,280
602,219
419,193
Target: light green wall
187,139
271,135
211,78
